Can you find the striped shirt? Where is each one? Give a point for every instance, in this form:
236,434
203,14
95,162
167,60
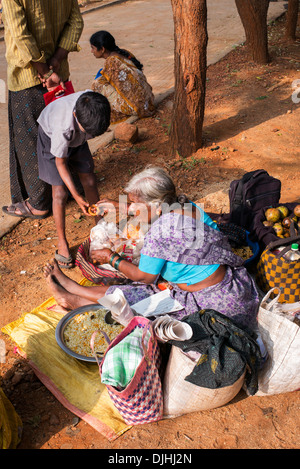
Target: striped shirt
34,29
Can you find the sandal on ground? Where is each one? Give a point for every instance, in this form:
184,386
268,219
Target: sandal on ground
64,262
24,209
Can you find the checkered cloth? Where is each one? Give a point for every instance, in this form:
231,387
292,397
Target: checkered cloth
121,361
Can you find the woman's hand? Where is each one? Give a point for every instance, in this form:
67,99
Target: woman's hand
108,205
101,256
112,206
131,271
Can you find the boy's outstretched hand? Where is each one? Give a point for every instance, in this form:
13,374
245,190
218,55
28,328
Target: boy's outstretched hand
83,204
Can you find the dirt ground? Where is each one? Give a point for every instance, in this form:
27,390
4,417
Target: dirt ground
251,122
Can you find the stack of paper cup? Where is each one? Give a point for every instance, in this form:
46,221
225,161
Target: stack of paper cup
118,305
165,328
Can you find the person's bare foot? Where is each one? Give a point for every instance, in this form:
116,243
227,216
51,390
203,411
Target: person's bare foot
55,271
58,292
62,296
58,309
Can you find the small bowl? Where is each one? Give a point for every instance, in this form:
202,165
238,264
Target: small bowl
60,328
255,250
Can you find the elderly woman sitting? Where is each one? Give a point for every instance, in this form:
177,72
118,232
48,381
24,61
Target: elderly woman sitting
182,245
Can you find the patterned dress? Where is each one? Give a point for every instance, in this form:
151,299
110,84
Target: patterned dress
178,238
126,88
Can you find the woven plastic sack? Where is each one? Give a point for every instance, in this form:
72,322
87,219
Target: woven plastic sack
182,397
281,337
141,401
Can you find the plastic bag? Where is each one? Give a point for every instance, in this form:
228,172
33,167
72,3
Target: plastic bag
103,235
127,243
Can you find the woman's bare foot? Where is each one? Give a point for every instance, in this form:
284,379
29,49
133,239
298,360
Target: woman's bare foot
63,297
54,270
58,309
58,292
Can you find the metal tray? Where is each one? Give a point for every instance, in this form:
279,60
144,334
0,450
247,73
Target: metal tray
59,331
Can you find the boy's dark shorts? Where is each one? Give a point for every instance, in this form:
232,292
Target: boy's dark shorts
79,159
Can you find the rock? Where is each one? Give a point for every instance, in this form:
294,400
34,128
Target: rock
169,105
54,420
75,421
78,215
126,132
143,132
17,377
66,446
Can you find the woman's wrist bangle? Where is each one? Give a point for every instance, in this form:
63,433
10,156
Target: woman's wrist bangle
112,257
117,262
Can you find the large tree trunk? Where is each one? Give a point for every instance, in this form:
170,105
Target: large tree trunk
253,14
190,30
292,20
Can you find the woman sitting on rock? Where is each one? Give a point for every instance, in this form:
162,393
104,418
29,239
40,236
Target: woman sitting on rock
121,80
182,245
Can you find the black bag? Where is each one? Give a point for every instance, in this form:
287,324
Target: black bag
255,190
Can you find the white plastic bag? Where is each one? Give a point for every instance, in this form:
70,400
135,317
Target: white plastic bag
281,336
127,243
103,235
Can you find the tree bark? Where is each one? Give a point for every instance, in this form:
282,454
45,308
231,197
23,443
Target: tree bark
292,20
190,63
253,14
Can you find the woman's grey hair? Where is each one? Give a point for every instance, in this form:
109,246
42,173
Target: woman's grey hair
153,185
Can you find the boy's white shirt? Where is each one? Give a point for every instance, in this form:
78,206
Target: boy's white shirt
59,124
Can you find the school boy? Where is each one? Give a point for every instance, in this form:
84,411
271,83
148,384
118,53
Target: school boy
65,125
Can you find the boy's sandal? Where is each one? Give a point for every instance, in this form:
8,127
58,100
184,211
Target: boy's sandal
64,262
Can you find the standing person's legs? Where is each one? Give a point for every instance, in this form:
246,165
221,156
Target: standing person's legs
48,172
60,197
24,109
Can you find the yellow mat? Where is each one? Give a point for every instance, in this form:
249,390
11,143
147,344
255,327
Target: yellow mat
75,384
